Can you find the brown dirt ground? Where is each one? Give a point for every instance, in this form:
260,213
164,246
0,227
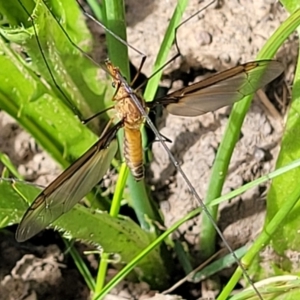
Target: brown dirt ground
220,37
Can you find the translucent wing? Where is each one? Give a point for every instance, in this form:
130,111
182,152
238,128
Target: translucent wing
69,187
221,89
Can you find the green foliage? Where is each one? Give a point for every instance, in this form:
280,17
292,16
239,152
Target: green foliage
29,93
49,114
52,115
285,189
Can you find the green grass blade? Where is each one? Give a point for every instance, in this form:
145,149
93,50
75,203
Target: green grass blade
96,8
195,212
218,265
282,188
164,49
114,12
9,165
151,247
262,240
273,226
231,136
81,266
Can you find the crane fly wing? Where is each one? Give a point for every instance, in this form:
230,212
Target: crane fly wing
69,187
221,89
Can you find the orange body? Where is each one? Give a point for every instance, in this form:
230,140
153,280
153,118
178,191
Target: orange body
132,121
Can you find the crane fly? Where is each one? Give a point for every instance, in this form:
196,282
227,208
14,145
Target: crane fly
78,179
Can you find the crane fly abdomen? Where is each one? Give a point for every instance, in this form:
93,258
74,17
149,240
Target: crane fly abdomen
133,152
132,149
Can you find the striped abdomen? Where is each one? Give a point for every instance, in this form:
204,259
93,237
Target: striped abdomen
133,152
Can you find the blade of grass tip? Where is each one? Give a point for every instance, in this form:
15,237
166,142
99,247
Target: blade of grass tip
276,40
5,173
81,266
165,49
218,265
10,166
230,137
96,8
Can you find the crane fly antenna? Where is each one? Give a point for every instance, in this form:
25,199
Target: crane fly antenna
101,65
144,57
109,31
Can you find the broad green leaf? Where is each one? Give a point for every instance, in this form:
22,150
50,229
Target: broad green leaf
28,92
120,236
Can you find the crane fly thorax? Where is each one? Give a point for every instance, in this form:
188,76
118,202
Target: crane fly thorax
128,111
125,106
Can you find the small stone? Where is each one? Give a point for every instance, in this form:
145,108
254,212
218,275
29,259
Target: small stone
204,38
